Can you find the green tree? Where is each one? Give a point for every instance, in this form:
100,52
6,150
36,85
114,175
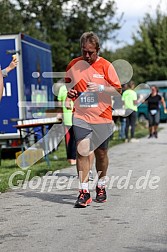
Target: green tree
149,51
60,23
11,20
121,53
44,20
89,15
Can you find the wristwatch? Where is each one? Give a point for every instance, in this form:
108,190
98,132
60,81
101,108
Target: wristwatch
101,88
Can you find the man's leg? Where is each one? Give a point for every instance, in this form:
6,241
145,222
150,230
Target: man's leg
83,163
71,146
122,129
133,123
91,162
82,132
100,139
101,162
83,167
151,128
82,135
156,123
127,128
101,167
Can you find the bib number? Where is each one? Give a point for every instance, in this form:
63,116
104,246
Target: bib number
88,99
153,111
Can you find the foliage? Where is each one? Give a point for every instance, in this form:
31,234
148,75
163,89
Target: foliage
10,18
150,47
60,23
122,53
148,53
89,15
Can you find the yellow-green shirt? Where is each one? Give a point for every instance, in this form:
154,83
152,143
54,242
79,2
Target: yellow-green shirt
129,96
67,113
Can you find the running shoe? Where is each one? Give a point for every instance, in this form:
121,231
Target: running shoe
150,136
84,199
155,134
101,194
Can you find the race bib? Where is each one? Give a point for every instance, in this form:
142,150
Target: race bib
88,99
153,111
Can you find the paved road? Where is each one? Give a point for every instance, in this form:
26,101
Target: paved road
134,219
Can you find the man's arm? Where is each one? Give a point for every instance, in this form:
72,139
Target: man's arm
110,84
93,87
12,65
163,103
1,84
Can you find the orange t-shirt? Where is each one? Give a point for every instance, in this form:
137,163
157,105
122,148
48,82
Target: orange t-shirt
93,107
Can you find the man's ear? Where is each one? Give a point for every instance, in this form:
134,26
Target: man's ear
98,50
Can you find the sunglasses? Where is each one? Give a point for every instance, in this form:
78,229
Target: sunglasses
88,52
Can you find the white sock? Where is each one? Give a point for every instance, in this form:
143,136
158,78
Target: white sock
84,186
101,183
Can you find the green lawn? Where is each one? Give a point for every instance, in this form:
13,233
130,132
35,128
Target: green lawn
9,166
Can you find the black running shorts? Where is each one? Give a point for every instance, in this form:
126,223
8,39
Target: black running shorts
99,134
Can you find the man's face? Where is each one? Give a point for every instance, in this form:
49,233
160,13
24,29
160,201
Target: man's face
89,52
153,90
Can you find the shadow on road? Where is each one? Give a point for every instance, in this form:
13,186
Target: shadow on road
56,198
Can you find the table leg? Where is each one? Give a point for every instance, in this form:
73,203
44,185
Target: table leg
22,147
45,140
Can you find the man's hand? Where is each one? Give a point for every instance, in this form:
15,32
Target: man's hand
68,103
12,65
92,87
165,111
72,93
59,116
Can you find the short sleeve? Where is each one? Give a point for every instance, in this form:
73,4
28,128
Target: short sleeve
62,93
112,76
4,73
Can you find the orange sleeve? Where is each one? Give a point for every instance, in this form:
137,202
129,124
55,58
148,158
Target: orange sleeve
112,77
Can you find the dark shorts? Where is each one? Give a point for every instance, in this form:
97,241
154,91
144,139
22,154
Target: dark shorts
99,134
154,119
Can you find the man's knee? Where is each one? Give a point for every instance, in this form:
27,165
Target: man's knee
101,154
83,147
